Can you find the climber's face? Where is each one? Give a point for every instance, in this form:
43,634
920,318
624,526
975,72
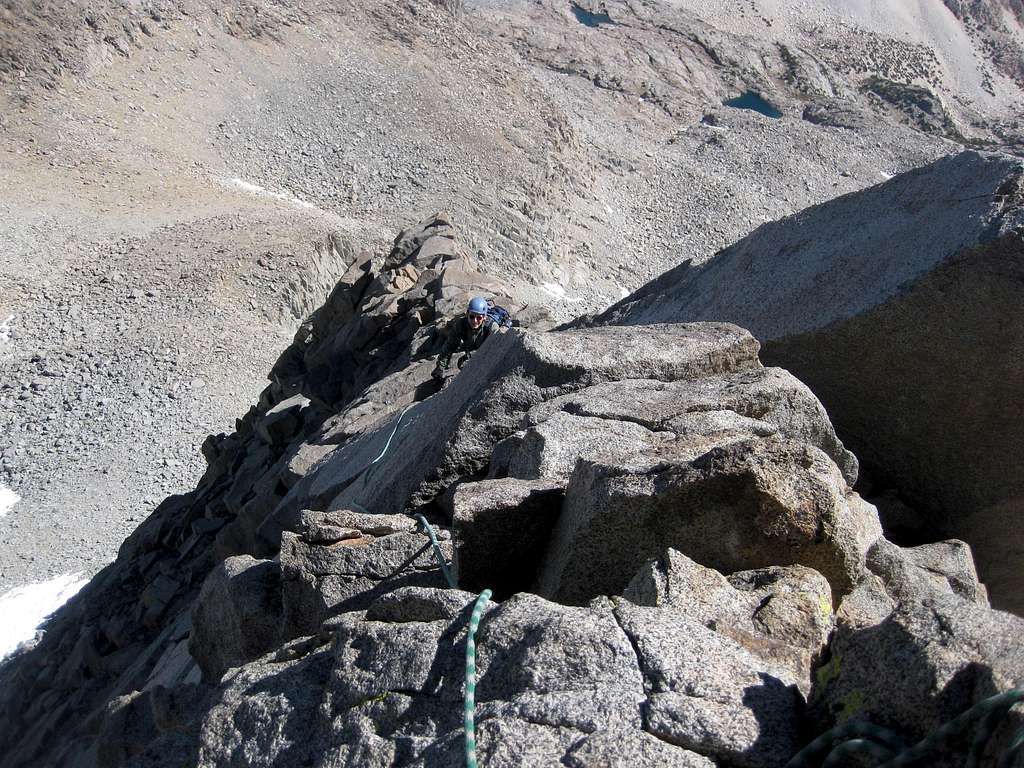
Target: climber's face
475,320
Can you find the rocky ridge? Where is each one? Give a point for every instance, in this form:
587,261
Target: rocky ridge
170,167
682,572
931,262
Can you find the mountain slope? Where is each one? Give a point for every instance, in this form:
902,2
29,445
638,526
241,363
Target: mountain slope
178,173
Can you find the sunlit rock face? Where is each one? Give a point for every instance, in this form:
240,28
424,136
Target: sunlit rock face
900,307
678,562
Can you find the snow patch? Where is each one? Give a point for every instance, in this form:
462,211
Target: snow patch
256,189
554,289
8,499
247,186
25,608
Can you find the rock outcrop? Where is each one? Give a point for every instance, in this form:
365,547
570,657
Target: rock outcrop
669,528
900,306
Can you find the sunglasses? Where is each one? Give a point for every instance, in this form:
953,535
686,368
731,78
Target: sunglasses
475,316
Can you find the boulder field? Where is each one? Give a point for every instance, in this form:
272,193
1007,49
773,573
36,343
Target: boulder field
681,571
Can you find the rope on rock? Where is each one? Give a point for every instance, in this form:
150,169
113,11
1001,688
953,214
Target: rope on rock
841,755
857,738
469,709
851,733
437,551
366,471
1015,746
420,518
469,704
886,748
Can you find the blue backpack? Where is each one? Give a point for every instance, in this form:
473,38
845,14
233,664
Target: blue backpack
499,315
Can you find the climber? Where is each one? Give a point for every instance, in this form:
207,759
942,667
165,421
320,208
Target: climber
466,334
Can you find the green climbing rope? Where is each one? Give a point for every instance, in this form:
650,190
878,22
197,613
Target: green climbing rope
420,518
469,710
855,732
364,473
1015,746
437,551
886,749
841,755
383,451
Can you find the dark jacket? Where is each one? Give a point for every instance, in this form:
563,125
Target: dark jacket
463,338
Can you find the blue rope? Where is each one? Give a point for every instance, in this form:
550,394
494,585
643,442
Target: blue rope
422,520
437,551
367,470
469,707
391,437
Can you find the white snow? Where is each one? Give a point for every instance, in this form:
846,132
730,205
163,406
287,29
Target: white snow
25,608
554,289
256,189
8,499
5,330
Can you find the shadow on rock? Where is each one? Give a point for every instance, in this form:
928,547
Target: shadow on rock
922,666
